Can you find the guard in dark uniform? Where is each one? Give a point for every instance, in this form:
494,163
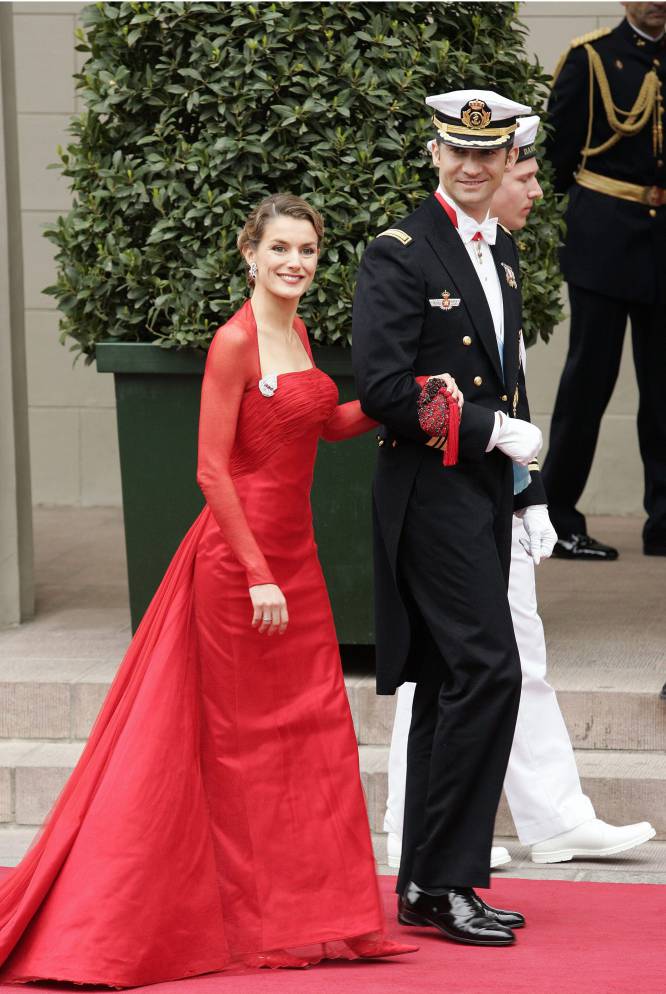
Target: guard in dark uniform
607,147
439,291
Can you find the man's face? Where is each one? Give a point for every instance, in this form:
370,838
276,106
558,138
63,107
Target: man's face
648,17
471,176
515,197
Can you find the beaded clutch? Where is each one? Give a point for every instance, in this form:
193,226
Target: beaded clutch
439,417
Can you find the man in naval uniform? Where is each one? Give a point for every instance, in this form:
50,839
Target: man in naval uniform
607,147
551,813
440,291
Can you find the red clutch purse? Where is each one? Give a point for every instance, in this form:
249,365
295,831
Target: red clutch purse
439,416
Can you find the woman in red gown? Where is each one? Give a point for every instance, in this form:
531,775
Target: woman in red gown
216,816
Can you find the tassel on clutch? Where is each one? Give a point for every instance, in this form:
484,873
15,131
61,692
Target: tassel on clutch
439,416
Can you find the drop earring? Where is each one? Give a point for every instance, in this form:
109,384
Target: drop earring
252,272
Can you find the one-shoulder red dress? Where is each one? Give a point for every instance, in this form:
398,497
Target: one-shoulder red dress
217,810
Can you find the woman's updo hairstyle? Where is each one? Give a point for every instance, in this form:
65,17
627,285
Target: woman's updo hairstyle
278,205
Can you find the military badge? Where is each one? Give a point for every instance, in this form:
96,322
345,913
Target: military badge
510,276
475,114
445,302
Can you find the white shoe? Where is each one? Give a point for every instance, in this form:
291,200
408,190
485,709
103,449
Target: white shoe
592,838
499,856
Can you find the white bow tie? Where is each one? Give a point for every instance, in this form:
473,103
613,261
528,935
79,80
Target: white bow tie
468,227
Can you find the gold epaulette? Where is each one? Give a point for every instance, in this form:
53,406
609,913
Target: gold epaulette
576,43
590,36
396,233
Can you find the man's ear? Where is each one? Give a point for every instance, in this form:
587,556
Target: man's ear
435,155
511,159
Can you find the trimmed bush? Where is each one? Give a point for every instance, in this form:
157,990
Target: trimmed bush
195,111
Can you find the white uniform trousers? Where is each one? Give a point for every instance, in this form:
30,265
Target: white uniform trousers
542,783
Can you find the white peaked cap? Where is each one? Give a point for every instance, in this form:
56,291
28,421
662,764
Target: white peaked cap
475,118
526,131
525,137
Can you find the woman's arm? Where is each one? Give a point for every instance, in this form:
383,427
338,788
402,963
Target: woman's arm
228,370
347,421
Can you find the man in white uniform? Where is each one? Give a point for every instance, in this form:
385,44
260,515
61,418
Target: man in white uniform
549,809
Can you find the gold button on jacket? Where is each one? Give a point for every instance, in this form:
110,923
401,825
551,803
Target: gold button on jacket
478,380
504,398
467,340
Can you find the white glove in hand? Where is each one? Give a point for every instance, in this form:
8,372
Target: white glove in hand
519,440
541,536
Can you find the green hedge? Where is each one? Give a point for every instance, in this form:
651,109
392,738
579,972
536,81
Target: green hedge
196,111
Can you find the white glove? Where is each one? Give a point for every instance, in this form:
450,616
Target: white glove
541,536
520,440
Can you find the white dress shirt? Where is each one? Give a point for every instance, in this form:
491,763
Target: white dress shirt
484,266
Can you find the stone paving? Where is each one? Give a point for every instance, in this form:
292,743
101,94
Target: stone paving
606,631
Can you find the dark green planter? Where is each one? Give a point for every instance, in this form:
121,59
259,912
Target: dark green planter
157,402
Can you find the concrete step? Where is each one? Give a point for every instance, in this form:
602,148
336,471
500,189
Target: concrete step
601,711
52,698
624,787
59,699
32,774
14,843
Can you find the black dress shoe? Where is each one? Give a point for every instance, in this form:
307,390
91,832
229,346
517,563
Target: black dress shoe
458,914
583,547
512,919
654,549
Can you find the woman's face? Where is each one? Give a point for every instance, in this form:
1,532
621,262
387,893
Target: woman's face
286,257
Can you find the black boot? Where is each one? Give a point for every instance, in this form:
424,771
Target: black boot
458,914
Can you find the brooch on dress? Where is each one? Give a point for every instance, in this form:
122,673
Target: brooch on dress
268,385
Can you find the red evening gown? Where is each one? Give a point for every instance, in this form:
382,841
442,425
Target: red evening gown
217,810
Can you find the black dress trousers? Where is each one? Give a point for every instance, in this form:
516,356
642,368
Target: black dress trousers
598,325
468,684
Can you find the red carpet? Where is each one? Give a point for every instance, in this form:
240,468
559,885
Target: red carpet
581,938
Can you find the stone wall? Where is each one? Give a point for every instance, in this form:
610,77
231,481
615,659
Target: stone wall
72,418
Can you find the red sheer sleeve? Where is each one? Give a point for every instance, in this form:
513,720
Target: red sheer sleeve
347,421
229,367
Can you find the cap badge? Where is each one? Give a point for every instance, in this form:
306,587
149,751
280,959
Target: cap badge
510,276
475,114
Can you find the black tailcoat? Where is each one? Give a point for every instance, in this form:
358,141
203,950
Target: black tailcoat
442,535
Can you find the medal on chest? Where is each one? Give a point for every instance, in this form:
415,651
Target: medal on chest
510,276
445,302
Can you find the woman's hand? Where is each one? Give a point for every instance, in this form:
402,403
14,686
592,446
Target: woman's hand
270,609
451,386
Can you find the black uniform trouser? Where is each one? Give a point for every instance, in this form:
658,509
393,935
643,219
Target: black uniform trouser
598,325
454,559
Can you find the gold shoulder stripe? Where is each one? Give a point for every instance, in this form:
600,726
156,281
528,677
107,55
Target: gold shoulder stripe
576,43
504,228
396,233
